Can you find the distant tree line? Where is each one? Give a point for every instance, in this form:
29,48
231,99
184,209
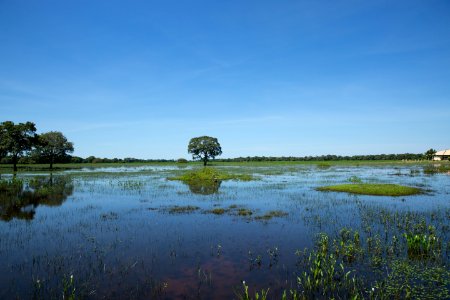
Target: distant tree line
33,159
405,156
94,160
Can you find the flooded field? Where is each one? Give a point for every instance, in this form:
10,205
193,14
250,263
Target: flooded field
120,233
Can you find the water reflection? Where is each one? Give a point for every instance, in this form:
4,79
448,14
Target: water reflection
204,187
19,199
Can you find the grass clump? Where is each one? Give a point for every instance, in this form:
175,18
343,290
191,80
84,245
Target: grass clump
182,209
244,212
375,189
210,174
435,169
218,211
272,214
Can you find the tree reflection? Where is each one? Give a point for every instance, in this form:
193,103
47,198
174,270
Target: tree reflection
207,187
19,199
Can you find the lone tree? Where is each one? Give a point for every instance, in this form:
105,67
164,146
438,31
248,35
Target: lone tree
204,148
52,146
430,153
3,150
17,139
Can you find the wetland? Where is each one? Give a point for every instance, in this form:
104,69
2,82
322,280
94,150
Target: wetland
231,231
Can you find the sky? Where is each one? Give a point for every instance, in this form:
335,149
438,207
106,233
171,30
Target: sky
273,78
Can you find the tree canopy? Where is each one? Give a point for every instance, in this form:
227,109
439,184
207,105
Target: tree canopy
53,145
204,148
430,153
3,149
17,139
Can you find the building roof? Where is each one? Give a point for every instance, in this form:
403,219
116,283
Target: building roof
443,152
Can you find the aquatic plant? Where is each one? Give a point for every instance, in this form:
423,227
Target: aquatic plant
254,261
261,295
273,256
423,243
436,168
68,288
348,245
412,280
326,278
354,179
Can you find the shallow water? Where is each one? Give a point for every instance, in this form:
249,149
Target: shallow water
114,230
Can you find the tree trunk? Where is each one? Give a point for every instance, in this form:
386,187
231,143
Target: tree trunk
14,159
205,160
51,163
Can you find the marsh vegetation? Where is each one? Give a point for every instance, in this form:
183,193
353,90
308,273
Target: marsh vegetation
129,232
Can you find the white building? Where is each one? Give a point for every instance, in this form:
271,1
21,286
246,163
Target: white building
442,155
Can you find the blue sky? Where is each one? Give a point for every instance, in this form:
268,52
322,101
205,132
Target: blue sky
140,78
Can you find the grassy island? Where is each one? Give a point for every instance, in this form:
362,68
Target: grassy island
376,189
210,174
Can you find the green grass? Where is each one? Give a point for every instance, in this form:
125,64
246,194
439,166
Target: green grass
376,189
210,174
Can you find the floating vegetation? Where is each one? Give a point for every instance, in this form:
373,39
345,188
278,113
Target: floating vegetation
413,280
217,211
244,212
182,209
272,214
375,189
